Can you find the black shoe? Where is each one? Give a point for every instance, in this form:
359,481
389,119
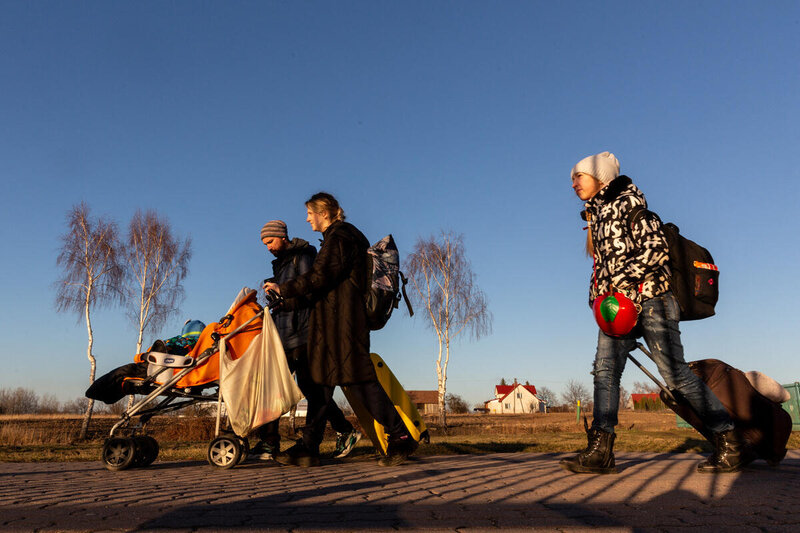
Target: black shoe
730,454
264,451
298,455
597,458
398,450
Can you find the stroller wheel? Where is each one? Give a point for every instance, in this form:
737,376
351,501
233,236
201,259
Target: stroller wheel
119,453
146,450
224,452
153,450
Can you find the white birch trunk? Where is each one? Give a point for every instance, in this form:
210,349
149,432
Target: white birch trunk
440,385
444,378
92,369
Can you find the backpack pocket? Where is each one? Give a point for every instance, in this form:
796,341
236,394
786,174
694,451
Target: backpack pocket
706,282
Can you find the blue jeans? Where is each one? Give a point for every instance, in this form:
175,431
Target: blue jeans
658,323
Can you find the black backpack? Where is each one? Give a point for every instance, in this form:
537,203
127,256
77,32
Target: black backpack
694,278
383,287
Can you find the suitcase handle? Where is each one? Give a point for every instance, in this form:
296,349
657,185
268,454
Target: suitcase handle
649,374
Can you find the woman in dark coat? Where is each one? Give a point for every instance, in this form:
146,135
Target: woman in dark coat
338,334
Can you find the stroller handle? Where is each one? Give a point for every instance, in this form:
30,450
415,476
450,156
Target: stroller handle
274,300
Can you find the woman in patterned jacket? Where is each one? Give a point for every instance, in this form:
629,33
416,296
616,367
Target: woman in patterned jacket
632,259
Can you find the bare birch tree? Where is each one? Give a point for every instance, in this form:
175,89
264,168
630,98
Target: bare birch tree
444,285
157,263
91,275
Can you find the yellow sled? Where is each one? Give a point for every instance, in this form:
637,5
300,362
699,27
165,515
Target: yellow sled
405,408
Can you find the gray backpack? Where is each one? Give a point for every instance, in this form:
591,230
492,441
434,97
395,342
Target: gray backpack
383,289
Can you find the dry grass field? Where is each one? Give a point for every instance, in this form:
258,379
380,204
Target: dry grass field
54,438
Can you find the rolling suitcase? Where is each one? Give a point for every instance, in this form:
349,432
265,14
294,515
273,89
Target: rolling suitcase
402,402
763,423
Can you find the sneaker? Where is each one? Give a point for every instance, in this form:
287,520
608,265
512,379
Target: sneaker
398,450
298,455
345,442
264,451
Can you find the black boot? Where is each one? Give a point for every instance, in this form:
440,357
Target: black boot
597,458
298,455
398,450
730,454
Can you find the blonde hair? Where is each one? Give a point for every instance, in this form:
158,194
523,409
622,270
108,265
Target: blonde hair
322,202
589,243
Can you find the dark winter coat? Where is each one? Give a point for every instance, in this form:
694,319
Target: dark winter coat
630,258
338,334
292,319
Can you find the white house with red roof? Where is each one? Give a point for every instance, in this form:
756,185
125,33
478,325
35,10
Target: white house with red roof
515,399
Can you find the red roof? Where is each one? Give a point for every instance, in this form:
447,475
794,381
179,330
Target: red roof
505,390
636,398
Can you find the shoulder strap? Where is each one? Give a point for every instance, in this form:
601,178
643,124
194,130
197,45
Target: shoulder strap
636,213
405,296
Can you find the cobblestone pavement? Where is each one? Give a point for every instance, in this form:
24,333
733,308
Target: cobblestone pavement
520,491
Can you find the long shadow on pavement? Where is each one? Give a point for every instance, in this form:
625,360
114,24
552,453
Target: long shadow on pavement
653,492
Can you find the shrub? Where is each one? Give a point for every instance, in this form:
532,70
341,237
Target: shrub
456,404
649,404
18,401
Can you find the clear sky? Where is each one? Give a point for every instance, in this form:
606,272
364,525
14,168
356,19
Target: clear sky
419,117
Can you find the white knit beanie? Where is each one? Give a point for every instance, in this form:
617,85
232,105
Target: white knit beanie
603,166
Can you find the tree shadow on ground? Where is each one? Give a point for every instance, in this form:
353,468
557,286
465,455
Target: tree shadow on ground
692,444
442,448
483,447
653,492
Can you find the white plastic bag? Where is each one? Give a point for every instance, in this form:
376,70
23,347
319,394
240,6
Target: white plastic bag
257,387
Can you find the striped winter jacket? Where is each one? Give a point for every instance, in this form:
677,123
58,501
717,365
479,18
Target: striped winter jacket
631,259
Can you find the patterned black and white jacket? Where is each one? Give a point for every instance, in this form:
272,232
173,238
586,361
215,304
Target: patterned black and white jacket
630,258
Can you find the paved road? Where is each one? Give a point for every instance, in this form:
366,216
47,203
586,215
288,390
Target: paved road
653,492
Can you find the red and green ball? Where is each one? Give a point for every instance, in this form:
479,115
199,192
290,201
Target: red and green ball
615,313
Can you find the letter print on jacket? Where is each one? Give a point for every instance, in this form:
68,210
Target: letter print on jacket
632,260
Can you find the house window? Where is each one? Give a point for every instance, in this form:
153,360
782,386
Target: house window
507,405
519,395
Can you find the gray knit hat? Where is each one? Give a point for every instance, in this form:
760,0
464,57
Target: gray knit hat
603,166
274,228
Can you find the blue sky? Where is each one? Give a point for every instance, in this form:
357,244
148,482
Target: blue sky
419,117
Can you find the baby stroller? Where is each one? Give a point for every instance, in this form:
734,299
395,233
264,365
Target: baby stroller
242,336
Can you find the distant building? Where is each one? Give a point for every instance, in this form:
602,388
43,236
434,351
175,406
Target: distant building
515,399
646,402
426,401
302,409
